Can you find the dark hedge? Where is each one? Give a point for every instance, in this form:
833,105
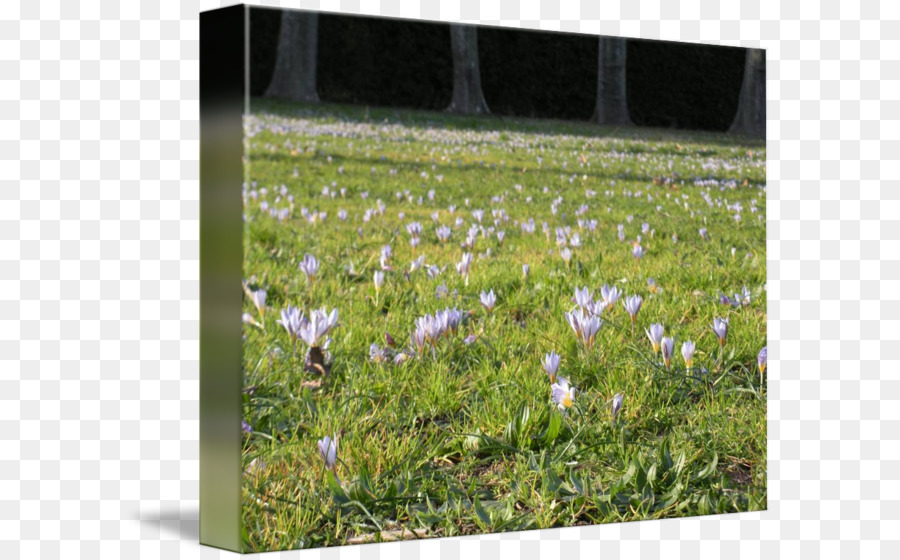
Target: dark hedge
535,74
683,85
400,63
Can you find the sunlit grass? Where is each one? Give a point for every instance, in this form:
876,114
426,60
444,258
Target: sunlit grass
465,439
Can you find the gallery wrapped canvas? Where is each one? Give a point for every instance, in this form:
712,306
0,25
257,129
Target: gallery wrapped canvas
460,279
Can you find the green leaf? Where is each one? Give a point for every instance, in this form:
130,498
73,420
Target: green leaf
710,467
640,474
679,463
481,512
651,475
629,474
551,430
665,458
335,487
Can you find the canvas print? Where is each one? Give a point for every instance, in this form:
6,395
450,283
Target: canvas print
492,280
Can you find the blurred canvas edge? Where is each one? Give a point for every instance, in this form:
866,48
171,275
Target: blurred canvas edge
222,99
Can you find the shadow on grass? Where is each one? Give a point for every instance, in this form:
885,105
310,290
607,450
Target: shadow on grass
546,172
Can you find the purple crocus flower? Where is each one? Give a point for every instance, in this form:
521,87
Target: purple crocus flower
655,334
632,306
419,338
462,267
454,319
443,233
638,251
597,308
246,427
379,280
617,402
310,266
291,319
488,300
259,300
668,348
585,326
441,290
725,300
610,294
762,358
687,352
377,354
328,451
583,298
551,365
414,229
720,327
562,394
319,323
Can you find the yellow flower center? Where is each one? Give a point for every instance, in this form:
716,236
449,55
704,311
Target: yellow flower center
567,401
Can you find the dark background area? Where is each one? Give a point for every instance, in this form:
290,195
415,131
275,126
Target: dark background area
403,63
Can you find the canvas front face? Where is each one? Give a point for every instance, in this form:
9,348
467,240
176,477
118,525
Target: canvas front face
473,303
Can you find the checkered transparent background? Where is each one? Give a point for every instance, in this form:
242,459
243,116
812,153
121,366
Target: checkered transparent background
99,276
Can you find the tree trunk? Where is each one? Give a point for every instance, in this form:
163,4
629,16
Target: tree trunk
294,77
467,95
751,114
612,101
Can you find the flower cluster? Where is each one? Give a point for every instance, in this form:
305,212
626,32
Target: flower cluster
443,233
311,330
584,325
739,299
430,329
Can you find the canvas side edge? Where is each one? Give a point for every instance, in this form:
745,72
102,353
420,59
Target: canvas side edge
222,99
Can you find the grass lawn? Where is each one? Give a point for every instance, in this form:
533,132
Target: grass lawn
460,432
